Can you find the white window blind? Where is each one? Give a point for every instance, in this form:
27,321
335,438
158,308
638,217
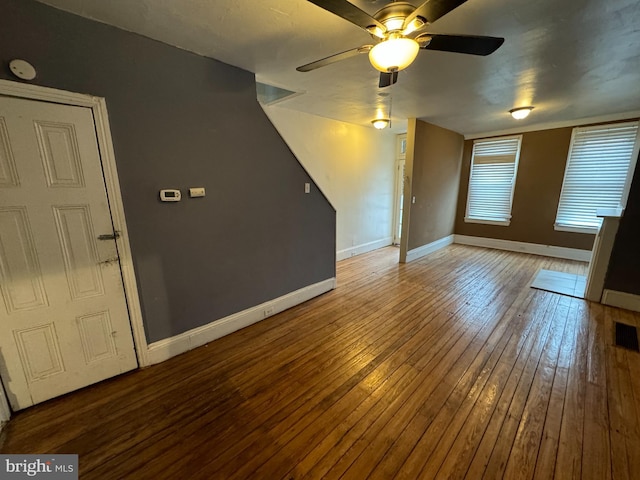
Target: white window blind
494,164
596,174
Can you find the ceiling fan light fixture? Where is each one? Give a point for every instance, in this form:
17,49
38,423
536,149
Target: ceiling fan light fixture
375,30
414,25
520,113
380,123
394,54
394,24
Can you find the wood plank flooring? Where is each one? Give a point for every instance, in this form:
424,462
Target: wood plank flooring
448,367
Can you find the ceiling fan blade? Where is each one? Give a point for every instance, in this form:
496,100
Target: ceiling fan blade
350,12
470,44
387,79
334,58
432,10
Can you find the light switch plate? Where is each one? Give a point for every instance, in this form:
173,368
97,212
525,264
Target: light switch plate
197,192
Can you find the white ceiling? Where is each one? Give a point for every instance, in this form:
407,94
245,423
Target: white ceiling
571,59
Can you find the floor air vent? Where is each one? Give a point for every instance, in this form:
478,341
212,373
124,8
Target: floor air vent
626,336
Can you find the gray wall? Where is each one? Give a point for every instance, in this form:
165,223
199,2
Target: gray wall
181,120
624,267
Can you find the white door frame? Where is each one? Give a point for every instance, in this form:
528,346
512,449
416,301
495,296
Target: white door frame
399,186
98,106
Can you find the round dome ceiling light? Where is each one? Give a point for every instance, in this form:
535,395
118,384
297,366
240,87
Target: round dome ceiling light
380,123
520,113
394,54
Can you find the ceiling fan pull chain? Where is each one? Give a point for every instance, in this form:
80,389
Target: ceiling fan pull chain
390,103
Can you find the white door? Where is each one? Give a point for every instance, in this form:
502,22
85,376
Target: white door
64,322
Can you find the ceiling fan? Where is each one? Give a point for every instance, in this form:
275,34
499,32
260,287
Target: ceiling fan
399,32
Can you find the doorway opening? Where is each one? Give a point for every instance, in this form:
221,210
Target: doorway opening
60,145
401,150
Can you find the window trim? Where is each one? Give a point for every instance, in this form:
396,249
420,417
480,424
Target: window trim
627,184
503,223
568,228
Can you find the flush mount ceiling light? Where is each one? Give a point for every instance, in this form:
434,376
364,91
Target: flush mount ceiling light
394,54
520,113
380,123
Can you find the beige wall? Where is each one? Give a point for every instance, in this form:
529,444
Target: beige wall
354,166
433,166
543,157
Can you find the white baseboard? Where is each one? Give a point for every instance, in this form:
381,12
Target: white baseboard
420,252
533,248
170,347
625,300
363,248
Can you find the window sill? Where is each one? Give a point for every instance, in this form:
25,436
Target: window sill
503,223
567,228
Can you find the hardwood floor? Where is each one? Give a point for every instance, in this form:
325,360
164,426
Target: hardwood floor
448,367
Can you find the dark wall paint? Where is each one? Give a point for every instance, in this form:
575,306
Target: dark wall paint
434,183
180,120
623,274
543,157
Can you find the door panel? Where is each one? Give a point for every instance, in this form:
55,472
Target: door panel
64,323
79,250
22,285
59,152
95,333
39,351
8,172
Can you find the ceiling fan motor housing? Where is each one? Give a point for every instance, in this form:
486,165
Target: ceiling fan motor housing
392,17
393,11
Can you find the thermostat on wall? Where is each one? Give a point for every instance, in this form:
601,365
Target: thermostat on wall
170,195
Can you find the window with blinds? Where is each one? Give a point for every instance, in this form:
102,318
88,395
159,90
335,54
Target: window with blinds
494,165
600,159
